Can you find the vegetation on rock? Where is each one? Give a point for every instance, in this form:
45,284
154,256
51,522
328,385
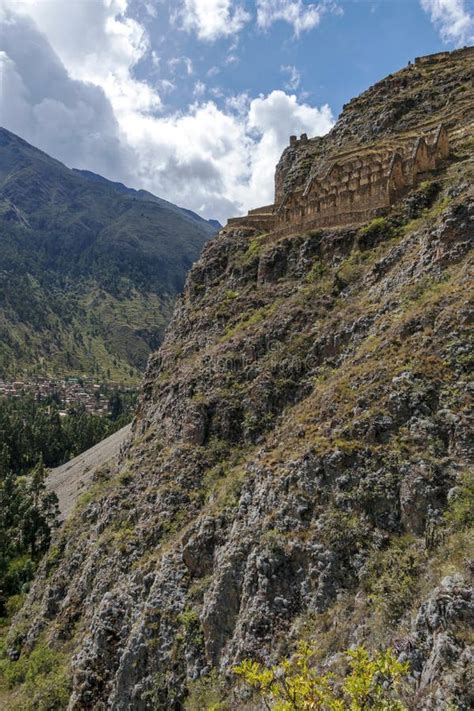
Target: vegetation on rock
28,513
34,437
371,684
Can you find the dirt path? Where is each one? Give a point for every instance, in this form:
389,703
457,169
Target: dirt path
70,480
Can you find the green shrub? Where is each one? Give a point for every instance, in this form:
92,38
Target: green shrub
207,694
317,271
48,692
20,571
14,604
372,683
391,578
377,229
41,680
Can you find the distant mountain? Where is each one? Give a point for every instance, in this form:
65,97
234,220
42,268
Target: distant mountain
89,268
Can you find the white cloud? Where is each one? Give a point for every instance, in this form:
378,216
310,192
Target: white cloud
151,10
294,77
275,118
97,43
295,12
239,104
452,19
39,100
199,88
85,109
221,162
166,86
211,19
176,63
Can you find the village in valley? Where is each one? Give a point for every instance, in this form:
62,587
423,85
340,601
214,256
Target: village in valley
67,394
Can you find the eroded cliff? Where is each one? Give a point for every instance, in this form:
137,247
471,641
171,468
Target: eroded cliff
297,468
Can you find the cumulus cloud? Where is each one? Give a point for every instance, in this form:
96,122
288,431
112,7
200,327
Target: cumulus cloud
41,102
216,160
97,43
221,161
275,118
452,19
211,19
295,12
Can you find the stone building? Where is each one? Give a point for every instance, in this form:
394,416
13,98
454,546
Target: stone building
349,187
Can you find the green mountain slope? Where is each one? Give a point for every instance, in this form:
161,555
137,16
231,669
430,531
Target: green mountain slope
89,269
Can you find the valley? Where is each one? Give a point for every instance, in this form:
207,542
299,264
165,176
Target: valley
89,269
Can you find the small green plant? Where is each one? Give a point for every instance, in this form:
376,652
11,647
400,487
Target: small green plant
252,252
41,680
317,271
460,512
374,231
189,619
372,683
392,579
207,694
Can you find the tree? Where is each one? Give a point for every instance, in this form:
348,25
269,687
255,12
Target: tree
115,406
39,512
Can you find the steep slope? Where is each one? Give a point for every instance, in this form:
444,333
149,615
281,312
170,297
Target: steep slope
88,268
297,468
72,479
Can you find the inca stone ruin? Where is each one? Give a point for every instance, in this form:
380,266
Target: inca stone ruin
350,187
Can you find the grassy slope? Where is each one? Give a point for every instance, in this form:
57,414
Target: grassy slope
88,268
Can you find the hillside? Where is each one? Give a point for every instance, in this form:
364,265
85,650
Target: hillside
299,463
69,481
89,269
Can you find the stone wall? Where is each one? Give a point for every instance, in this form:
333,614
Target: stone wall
361,183
351,187
441,56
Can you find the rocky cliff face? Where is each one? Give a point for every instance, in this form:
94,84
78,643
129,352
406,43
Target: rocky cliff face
297,469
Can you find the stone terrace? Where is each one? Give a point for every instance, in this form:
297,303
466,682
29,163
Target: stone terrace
360,169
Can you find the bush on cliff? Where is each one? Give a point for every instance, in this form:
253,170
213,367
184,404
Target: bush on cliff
371,684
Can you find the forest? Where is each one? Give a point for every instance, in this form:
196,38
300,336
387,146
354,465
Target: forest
34,437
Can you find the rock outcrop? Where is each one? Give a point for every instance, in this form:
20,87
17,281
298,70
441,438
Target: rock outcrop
297,463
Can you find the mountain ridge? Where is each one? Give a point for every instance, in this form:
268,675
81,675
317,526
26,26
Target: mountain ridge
112,257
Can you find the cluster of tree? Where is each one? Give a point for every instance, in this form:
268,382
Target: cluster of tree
30,429
33,436
28,514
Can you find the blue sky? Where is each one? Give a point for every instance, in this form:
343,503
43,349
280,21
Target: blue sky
353,46
194,100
